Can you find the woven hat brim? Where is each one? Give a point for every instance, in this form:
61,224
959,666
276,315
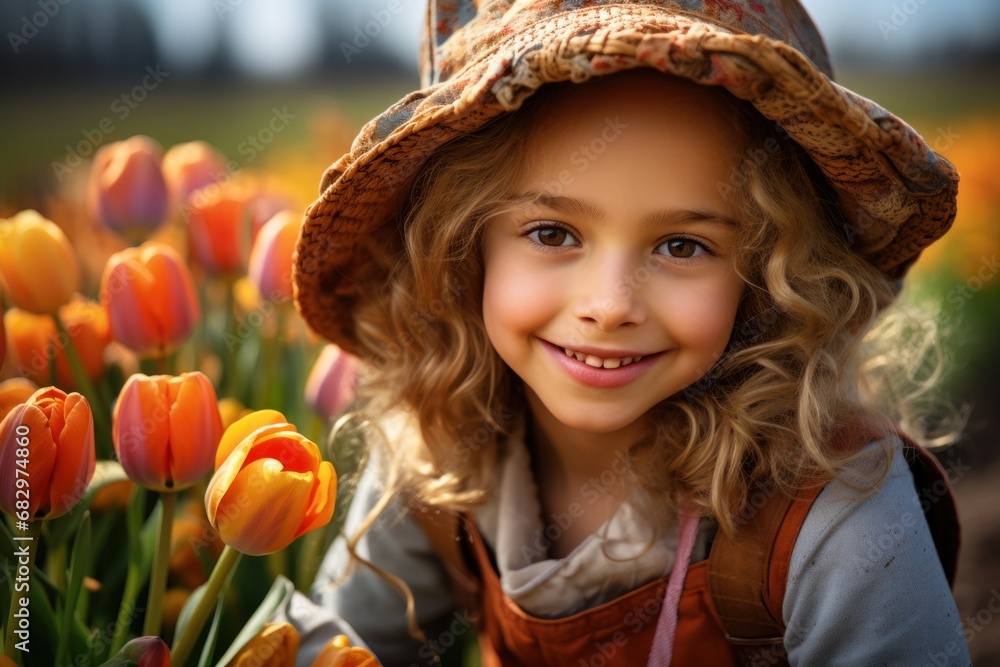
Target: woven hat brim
898,195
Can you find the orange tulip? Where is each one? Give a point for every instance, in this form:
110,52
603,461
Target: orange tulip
218,217
338,652
188,167
166,429
38,268
13,392
276,645
34,341
150,299
126,189
271,256
47,455
272,488
331,382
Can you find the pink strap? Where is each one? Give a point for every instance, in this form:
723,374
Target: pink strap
666,627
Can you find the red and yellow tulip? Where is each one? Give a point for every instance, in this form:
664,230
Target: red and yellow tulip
166,429
270,489
50,438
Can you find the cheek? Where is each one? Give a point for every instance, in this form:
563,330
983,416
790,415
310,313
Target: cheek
704,318
517,300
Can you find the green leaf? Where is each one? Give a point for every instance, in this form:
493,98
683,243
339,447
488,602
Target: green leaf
280,591
213,633
78,565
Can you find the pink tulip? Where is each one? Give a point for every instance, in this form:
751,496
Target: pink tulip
271,256
127,190
331,382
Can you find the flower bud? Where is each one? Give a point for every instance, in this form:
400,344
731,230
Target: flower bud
271,256
50,438
38,269
127,191
166,429
150,299
331,382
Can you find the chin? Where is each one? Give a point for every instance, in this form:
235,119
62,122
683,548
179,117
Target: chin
596,421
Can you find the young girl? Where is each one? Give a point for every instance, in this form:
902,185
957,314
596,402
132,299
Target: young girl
618,273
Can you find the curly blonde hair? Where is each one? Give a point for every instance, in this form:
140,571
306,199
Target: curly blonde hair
811,350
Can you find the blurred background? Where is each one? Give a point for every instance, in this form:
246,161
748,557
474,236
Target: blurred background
281,88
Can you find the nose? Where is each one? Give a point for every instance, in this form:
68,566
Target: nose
606,297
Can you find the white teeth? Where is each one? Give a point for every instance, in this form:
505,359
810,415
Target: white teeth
598,362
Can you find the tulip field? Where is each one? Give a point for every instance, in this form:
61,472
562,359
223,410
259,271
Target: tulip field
167,474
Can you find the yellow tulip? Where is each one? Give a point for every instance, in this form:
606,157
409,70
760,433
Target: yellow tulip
276,645
338,652
272,488
38,268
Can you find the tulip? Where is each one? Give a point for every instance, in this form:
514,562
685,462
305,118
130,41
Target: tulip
338,652
276,645
150,298
51,439
272,488
219,224
188,167
141,652
3,338
244,426
271,256
127,191
230,410
35,341
38,269
166,429
13,392
331,382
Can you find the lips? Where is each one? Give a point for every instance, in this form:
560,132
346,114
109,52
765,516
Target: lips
600,372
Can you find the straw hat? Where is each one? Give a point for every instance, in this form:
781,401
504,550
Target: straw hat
483,58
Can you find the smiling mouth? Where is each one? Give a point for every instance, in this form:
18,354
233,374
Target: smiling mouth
599,362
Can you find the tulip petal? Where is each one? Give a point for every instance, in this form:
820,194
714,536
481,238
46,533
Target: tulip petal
241,428
175,310
141,431
254,514
195,428
319,511
40,460
293,451
74,466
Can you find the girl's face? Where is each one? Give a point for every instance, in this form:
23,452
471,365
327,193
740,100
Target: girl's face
616,289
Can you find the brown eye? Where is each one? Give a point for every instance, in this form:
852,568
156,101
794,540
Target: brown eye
682,248
552,236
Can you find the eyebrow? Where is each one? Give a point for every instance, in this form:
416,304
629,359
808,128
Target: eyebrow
571,206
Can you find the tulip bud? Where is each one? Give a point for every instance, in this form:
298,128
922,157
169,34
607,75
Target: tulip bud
272,488
50,439
276,645
338,652
219,225
141,652
188,167
13,392
150,298
271,256
127,191
331,382
166,429
38,269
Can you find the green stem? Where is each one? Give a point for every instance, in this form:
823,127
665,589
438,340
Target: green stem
183,644
82,381
31,539
55,565
133,576
161,563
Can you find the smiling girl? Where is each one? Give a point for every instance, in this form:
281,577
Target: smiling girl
619,401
